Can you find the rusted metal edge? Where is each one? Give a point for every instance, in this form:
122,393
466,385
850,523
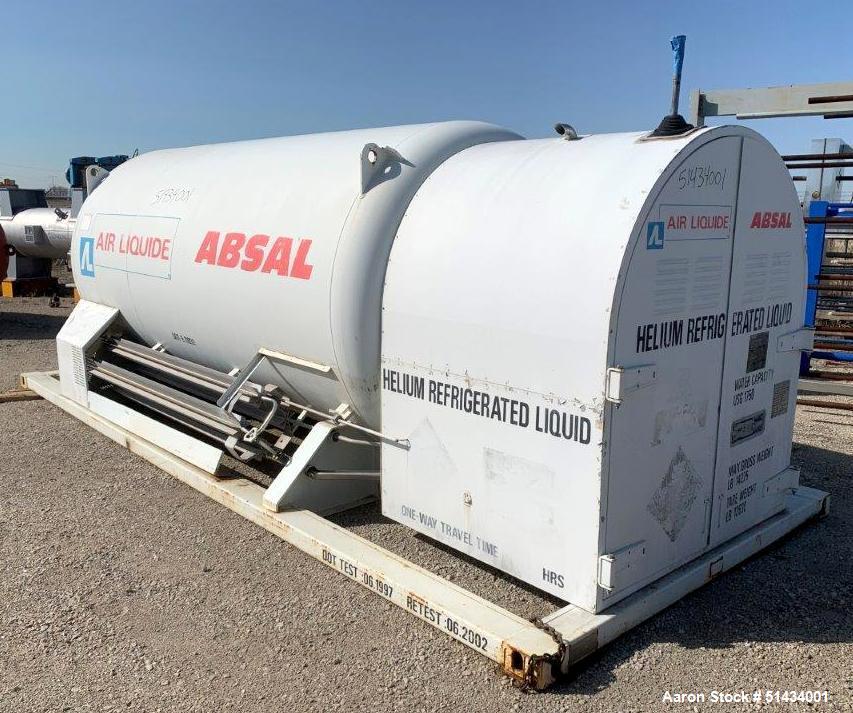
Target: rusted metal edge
522,650
18,395
823,403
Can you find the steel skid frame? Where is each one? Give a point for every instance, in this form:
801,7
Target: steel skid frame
534,654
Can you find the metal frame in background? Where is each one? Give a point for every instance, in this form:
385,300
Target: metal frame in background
833,343
533,653
833,100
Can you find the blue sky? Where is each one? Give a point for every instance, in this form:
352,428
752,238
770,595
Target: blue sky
96,78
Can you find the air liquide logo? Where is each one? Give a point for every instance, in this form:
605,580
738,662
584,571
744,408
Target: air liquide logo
654,236
87,257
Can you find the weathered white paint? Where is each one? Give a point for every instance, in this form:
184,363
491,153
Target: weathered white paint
522,650
313,188
522,273
526,270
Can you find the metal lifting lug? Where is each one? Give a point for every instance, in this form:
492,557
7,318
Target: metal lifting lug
378,164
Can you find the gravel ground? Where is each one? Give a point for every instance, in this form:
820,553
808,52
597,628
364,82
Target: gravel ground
123,589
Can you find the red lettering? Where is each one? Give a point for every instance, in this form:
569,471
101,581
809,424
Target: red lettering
302,269
259,252
229,255
254,252
773,219
279,257
207,251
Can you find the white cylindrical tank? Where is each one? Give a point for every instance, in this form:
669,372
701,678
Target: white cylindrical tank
4,254
38,232
590,346
216,251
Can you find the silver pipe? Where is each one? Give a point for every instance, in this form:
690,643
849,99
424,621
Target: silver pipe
315,474
355,441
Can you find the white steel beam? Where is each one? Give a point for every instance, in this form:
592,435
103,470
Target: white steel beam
833,99
170,439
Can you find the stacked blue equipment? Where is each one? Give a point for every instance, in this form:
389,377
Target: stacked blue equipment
75,173
838,346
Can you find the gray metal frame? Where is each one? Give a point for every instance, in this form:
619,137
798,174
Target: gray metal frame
831,100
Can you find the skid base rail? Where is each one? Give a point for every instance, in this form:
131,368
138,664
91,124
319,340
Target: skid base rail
534,654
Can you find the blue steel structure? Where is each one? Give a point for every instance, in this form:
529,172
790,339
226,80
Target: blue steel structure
77,166
820,211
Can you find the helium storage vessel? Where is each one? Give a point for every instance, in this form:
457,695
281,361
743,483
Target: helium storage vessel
578,356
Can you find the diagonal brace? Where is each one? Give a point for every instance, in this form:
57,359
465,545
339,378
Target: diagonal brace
276,494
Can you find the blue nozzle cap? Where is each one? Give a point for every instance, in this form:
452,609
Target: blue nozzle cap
678,43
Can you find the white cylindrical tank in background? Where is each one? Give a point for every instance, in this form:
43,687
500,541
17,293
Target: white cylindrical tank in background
216,251
4,254
39,232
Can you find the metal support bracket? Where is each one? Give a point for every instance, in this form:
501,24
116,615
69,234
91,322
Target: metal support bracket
276,494
244,374
800,341
623,381
612,567
788,479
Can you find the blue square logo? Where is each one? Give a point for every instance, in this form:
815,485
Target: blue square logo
87,257
654,236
